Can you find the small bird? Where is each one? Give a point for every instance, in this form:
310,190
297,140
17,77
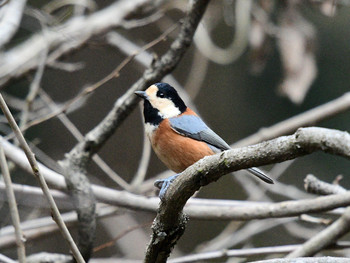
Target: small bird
177,135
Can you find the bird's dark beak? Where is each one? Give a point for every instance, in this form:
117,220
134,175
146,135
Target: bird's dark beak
141,94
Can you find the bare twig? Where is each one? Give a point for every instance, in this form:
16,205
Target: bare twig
10,20
52,6
305,260
33,90
77,134
21,252
243,252
229,239
325,238
315,220
142,168
91,88
214,209
32,196
125,232
316,186
126,46
240,40
307,118
64,38
4,258
332,233
199,68
206,209
48,257
35,168
39,227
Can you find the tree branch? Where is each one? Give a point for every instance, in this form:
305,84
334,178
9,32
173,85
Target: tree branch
199,208
331,234
64,38
170,221
21,251
325,238
10,20
203,209
306,260
36,171
242,252
316,186
75,161
306,118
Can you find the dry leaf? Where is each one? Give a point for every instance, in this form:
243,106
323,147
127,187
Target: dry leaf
295,42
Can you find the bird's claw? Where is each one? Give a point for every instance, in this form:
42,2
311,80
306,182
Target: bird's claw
163,185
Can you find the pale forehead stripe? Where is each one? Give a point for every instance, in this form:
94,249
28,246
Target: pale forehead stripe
152,90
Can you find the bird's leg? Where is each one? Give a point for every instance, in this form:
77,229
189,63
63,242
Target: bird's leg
163,184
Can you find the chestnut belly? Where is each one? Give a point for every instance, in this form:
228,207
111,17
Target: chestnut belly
178,152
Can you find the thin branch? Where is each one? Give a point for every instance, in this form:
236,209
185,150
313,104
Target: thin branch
211,209
142,167
315,220
33,90
10,20
5,259
39,227
243,252
35,168
307,118
91,88
239,43
316,186
64,38
206,209
21,252
306,260
32,196
235,235
115,239
325,238
332,233
170,222
77,134
49,257
126,46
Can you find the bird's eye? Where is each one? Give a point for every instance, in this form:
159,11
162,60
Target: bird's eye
161,95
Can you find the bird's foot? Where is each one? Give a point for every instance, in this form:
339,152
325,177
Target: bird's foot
163,184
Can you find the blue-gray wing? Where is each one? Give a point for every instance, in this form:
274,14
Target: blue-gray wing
192,126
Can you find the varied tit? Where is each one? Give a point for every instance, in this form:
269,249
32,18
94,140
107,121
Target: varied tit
178,136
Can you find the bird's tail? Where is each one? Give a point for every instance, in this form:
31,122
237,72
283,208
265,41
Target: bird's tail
260,174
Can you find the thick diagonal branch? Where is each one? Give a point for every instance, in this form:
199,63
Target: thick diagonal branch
170,218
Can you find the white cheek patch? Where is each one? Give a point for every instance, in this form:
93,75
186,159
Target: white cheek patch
168,110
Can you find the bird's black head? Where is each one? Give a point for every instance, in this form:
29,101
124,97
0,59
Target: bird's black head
161,101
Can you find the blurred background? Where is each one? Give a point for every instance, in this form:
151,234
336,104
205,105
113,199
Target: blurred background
253,64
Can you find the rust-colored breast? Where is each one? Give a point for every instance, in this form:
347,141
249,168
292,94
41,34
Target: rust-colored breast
177,152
